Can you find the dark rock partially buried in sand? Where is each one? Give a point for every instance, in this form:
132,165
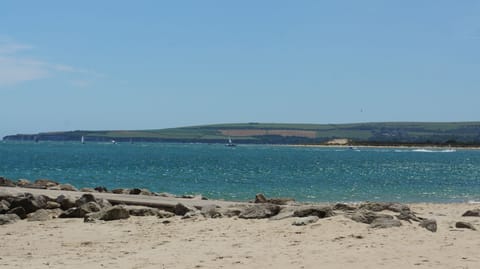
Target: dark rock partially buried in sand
465,225
81,211
8,219
5,182
66,202
429,224
28,203
261,199
313,210
182,209
19,211
259,211
4,206
472,213
365,216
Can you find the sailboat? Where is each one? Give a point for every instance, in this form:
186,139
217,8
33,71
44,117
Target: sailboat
230,143
82,140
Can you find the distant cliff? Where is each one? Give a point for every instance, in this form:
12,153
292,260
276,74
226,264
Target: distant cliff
382,133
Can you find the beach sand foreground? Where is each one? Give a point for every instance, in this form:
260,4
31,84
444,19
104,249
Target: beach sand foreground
335,242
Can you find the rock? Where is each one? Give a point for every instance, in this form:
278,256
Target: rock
284,213
4,206
19,211
464,225
344,207
45,183
365,216
81,211
193,197
260,211
191,214
408,216
42,200
5,182
166,194
472,213
164,214
27,203
231,211
67,187
23,182
305,220
397,207
135,191
385,223
181,209
121,191
211,211
314,210
260,198
373,206
429,224
85,198
8,219
142,210
101,189
40,215
66,202
146,192
112,213
52,205
87,190
103,203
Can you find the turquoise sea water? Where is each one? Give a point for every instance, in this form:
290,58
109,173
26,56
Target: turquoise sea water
216,171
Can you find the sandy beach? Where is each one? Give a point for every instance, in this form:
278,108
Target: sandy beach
199,242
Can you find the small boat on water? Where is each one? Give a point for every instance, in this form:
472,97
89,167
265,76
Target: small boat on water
82,140
113,141
230,143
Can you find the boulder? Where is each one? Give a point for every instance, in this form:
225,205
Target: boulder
260,211
112,213
67,187
28,203
81,211
164,214
103,203
52,205
135,191
87,190
121,191
365,216
429,224
40,215
45,183
5,182
211,211
344,207
66,202
472,213
305,220
314,210
4,206
101,189
385,223
41,200
8,219
181,209
397,207
134,210
465,225
260,198
19,211
85,198
284,213
374,206
408,216
231,211
23,182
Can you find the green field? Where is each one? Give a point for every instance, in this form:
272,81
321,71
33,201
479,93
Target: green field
435,133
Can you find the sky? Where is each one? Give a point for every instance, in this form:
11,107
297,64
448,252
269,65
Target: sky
98,65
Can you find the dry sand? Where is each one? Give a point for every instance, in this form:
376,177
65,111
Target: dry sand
336,242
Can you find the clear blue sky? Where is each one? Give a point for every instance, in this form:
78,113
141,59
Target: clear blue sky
68,65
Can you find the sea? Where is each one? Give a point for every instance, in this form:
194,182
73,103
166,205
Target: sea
308,174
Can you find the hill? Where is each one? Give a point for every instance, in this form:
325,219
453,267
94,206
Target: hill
382,133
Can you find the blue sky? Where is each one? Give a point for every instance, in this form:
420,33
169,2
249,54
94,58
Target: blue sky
157,64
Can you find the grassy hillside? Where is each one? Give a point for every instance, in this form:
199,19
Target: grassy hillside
455,133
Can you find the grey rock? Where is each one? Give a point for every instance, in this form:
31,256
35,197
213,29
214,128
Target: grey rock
45,183
112,213
81,211
231,211
260,198
40,215
87,190
260,211
5,182
365,216
314,210
135,191
103,203
19,211
142,210
181,209
429,224
101,189
8,219
67,187
472,213
465,225
344,207
211,211
23,182
397,207
408,216
121,191
52,205
4,206
305,220
284,213
28,203
86,198
164,214
385,223
66,202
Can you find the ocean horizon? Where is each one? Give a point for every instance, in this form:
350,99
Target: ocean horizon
307,174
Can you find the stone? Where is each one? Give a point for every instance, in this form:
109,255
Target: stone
472,213
67,187
39,215
164,214
41,200
81,211
8,219
260,211
374,206
231,211
135,191
305,220
464,225
103,203
397,207
385,223
101,189
112,213
4,206
314,210
408,216
365,216
87,190
429,224
211,211
27,203
284,213
344,207
5,182
45,183
85,198
23,182
134,210
181,209
121,191
260,198
66,202
52,205
19,211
